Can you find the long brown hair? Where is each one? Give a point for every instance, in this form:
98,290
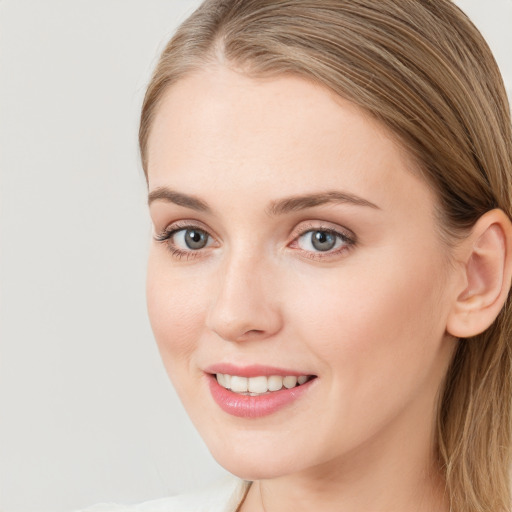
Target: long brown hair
423,69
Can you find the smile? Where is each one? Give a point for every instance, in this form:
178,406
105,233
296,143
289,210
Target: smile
260,392
261,385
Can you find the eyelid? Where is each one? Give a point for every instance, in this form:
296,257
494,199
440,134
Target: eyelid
183,224
305,227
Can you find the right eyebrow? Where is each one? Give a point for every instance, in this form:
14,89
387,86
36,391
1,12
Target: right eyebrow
171,196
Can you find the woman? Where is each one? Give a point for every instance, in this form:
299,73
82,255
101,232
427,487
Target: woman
329,184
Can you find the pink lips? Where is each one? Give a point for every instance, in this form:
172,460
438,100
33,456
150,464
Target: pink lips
247,406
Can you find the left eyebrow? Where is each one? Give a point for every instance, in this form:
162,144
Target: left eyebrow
297,203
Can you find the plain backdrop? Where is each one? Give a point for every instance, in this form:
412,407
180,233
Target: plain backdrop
86,411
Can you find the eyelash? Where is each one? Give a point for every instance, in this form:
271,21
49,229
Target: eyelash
348,240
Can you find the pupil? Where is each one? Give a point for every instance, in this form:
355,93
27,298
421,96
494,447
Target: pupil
195,239
323,241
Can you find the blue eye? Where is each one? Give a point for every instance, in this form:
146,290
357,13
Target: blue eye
192,239
185,241
321,240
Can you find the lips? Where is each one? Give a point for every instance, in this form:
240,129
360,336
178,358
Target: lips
256,391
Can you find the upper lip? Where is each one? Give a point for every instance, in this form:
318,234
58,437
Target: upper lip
253,370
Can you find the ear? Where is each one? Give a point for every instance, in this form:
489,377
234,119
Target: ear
486,263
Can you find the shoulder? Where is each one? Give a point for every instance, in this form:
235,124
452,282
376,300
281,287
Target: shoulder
223,496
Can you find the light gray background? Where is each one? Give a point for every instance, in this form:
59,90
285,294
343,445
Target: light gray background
86,412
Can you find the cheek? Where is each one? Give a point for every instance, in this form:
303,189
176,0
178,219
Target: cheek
176,311
377,335
374,323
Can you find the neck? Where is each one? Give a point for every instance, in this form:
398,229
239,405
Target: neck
302,494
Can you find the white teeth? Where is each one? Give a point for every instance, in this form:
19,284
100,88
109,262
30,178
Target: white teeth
290,382
275,383
221,379
259,385
238,384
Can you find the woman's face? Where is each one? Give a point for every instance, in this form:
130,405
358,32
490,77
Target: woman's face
293,239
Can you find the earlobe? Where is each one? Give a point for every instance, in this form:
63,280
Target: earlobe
487,266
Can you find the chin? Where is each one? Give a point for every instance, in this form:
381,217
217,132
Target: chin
256,458
248,469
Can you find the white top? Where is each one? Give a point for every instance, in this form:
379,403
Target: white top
223,496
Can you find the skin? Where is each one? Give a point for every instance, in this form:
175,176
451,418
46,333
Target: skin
368,318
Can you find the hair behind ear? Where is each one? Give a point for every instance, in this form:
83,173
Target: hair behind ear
475,420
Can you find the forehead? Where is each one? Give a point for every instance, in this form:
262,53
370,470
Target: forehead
219,126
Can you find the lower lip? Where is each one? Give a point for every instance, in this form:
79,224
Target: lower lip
246,406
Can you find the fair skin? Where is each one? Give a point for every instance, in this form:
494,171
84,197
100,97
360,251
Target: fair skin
363,310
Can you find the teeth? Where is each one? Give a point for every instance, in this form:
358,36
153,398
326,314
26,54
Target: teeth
259,385
290,382
239,384
275,383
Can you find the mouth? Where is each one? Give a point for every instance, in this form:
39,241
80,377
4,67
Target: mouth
260,385
256,391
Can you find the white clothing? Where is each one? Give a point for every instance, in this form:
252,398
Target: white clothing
224,496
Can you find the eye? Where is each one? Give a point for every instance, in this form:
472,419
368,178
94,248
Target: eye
319,241
322,240
191,239
185,241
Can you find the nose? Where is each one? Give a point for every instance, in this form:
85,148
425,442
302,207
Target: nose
245,305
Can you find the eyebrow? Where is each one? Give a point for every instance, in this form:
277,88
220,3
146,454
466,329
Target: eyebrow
165,194
297,203
278,207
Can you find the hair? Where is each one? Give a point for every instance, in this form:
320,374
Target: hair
423,70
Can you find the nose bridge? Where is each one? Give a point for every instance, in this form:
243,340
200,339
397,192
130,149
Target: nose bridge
244,305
